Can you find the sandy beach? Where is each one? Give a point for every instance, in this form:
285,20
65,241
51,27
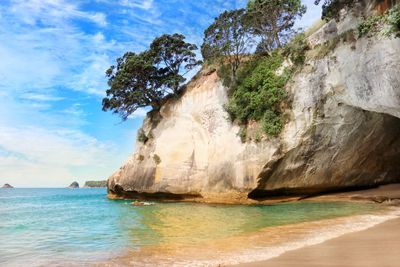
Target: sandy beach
376,246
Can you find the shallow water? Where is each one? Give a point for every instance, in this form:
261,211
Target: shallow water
80,226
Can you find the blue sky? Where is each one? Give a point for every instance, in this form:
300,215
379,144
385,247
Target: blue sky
53,55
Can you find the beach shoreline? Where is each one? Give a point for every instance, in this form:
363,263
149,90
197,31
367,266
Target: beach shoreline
375,246
267,246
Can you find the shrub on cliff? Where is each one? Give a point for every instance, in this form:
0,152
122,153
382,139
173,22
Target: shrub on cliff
387,24
393,18
145,79
296,49
259,92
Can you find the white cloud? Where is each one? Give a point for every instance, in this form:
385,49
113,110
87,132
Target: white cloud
40,97
38,156
141,4
54,11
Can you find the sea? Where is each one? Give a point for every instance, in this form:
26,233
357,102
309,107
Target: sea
82,227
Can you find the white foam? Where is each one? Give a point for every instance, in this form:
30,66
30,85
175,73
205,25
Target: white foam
349,225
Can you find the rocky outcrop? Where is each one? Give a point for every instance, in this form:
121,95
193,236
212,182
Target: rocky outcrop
74,185
7,186
342,131
95,184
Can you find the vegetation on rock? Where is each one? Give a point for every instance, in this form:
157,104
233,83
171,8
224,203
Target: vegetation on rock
331,8
387,24
142,137
156,159
95,184
258,93
145,79
256,90
296,49
74,185
273,21
228,39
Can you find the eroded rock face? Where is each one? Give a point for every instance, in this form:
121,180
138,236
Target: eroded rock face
194,150
343,131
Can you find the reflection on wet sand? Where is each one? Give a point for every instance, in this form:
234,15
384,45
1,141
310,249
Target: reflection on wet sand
203,235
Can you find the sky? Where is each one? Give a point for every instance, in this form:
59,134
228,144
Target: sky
53,57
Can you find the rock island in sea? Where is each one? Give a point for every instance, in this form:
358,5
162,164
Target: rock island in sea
74,185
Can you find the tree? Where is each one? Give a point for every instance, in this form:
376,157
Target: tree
145,79
331,8
173,55
228,39
273,20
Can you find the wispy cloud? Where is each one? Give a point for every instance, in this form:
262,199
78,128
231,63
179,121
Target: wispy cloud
54,54
44,155
141,4
51,12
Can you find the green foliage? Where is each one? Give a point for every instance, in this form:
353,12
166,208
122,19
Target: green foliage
387,24
145,79
331,8
393,19
227,39
296,49
243,134
173,55
156,159
96,184
273,21
272,123
259,90
368,25
141,158
141,137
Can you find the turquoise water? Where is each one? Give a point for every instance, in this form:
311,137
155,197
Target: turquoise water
42,227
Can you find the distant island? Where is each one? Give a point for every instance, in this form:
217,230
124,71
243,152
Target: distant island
95,184
74,185
7,186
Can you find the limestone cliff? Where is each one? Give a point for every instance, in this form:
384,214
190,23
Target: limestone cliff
342,131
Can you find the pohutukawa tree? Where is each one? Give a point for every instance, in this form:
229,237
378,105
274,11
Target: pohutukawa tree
273,21
228,39
145,79
331,8
174,58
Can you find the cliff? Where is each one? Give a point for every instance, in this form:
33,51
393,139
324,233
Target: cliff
94,184
342,131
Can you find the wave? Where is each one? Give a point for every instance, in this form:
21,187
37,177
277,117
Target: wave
323,231
251,247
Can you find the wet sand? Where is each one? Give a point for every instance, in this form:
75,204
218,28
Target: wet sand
377,246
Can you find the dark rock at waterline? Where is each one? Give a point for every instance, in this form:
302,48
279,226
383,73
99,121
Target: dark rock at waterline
74,185
7,186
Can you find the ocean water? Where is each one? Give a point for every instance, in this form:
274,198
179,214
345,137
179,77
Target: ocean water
62,227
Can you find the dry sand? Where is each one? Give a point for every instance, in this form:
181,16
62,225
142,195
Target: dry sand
378,246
